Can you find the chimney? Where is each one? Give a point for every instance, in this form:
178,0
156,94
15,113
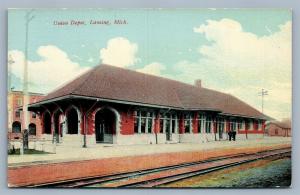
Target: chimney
198,83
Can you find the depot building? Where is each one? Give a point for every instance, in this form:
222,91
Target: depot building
120,106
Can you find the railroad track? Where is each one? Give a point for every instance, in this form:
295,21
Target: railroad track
163,175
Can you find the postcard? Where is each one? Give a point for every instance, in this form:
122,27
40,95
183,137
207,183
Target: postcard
149,98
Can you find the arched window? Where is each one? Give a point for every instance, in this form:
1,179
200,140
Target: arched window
32,129
16,127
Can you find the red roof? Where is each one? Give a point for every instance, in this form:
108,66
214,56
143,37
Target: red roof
113,83
282,124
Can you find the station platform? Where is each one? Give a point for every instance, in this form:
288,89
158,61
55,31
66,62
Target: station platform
73,163
78,153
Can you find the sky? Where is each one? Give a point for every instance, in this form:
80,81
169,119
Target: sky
236,51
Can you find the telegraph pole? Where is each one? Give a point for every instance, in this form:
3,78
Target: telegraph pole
10,110
9,62
262,93
28,19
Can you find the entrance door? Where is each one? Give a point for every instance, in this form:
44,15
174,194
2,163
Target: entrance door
220,128
56,127
168,130
100,128
104,126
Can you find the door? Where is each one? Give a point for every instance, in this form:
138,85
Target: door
100,132
221,129
104,126
168,130
57,126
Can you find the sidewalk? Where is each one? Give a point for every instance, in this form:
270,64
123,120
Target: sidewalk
77,153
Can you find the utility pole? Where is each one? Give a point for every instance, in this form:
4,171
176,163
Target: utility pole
10,109
262,93
10,61
28,19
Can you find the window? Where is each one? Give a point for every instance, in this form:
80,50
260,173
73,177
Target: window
259,124
165,123
149,122
161,125
233,125
240,124
143,125
16,127
187,123
276,131
33,115
251,124
200,121
19,101
220,125
136,122
143,121
208,124
32,129
18,114
174,123
247,125
168,125
255,125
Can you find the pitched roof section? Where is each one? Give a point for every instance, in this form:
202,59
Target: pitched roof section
282,124
109,82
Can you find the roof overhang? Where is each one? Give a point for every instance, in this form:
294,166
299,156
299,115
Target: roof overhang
244,116
38,104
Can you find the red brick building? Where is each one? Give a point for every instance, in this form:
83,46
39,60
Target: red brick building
120,106
277,128
15,115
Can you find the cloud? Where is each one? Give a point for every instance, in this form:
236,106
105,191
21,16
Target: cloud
242,63
119,52
53,69
154,68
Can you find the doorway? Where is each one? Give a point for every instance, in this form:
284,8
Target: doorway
104,126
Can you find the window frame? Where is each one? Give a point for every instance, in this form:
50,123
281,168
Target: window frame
18,114
201,122
187,121
143,117
208,124
19,101
174,127
220,123
233,125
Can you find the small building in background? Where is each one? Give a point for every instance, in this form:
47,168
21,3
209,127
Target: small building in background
279,128
15,115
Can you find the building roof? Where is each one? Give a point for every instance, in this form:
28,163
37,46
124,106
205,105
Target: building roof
123,85
286,124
